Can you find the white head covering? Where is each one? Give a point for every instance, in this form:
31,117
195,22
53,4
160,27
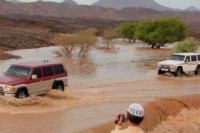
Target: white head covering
136,110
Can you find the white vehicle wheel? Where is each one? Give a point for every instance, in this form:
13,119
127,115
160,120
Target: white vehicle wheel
178,72
197,72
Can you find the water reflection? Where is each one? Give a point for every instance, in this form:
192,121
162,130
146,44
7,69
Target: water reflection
79,68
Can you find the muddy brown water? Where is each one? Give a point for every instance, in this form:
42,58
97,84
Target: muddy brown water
100,86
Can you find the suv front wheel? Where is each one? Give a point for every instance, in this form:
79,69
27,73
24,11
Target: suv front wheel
160,72
178,72
21,94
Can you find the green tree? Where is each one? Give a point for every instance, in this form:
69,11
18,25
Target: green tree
127,30
76,44
185,46
160,31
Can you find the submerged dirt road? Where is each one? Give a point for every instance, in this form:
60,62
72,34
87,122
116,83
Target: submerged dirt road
99,87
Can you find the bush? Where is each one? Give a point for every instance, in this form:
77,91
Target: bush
186,46
161,31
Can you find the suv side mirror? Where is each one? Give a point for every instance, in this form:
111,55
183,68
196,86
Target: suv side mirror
34,77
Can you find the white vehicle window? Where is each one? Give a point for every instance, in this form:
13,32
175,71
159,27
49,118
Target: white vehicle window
187,59
194,58
198,57
177,57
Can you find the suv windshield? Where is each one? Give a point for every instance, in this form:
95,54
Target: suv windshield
18,71
177,57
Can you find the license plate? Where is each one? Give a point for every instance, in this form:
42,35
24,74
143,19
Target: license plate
164,69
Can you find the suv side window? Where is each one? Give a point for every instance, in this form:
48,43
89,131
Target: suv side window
187,58
47,71
58,69
37,72
194,58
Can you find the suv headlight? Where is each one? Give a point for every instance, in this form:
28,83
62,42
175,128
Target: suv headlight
173,67
9,89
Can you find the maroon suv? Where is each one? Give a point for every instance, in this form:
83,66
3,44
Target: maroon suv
33,78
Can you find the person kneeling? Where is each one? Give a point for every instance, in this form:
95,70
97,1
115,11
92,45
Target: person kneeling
134,117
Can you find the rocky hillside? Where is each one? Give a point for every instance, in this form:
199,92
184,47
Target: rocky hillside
119,4
20,31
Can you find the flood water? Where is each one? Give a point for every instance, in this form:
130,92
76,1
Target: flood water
100,86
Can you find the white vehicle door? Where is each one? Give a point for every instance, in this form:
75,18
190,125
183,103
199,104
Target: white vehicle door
187,65
194,63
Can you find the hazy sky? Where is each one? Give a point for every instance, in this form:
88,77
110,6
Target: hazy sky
170,3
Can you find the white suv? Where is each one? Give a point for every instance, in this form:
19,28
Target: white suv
180,63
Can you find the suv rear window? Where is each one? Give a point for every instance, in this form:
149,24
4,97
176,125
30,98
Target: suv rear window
194,58
47,71
59,69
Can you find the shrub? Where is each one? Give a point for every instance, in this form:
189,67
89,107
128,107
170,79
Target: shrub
186,46
80,41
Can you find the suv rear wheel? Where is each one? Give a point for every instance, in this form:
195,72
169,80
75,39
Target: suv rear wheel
59,86
178,72
21,94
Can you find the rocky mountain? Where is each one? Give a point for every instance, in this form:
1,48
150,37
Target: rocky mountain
119,4
41,8
70,2
192,9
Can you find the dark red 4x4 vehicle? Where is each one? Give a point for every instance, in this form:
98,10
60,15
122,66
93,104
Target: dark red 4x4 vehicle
33,78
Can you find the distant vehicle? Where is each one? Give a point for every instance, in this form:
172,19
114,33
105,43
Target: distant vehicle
180,63
33,78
